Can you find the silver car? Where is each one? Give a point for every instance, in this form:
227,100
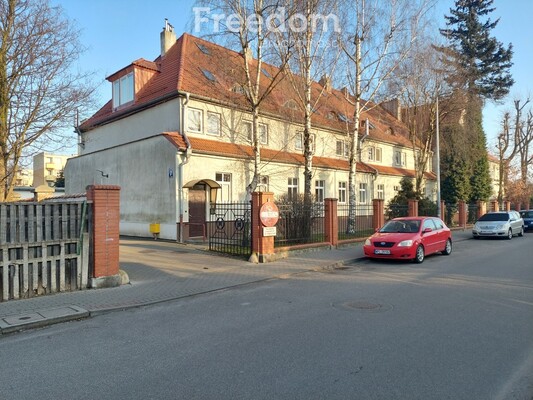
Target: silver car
499,224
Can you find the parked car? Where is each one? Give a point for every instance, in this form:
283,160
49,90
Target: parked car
499,224
527,216
410,238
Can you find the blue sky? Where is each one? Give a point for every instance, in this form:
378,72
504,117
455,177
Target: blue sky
118,32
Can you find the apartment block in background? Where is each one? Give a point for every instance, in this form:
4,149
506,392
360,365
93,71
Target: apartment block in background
46,168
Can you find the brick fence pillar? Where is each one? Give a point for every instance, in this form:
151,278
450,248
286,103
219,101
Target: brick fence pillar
105,224
262,246
412,208
462,213
378,218
507,205
495,206
481,208
331,222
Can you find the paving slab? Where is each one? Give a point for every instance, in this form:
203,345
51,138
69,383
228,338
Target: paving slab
41,318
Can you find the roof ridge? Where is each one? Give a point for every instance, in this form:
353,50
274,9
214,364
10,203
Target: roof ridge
181,62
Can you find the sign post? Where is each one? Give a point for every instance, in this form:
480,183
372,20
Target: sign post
265,215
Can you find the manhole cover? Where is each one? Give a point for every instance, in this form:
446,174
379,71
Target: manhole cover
364,305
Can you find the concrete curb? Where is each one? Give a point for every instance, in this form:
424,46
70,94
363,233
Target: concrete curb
40,318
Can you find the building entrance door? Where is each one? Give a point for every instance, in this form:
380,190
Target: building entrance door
197,206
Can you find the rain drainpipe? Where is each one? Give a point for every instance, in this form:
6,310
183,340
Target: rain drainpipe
184,161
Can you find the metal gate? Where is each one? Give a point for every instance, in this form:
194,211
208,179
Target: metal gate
229,228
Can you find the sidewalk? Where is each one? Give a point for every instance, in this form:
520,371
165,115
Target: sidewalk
161,271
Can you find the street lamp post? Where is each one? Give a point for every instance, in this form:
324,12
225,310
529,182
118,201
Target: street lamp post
437,149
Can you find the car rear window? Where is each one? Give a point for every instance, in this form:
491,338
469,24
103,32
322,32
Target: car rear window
495,217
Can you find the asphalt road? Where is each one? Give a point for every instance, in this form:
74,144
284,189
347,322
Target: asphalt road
456,327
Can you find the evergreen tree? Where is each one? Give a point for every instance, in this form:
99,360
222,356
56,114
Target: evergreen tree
482,63
480,68
480,180
455,184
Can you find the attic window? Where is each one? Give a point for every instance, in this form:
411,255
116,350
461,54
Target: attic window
203,49
123,90
331,115
209,75
343,117
266,73
291,104
238,89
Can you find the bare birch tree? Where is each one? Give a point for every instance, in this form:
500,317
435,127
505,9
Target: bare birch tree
249,28
313,57
515,146
419,83
40,90
378,35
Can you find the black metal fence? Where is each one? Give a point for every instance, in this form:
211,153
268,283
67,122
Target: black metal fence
361,221
299,224
428,209
471,217
229,228
396,211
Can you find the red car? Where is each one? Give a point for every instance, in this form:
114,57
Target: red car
410,238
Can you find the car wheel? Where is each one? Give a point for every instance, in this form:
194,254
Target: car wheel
510,234
521,232
476,237
448,248
419,256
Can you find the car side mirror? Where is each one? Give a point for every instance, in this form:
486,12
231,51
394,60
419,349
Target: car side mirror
426,230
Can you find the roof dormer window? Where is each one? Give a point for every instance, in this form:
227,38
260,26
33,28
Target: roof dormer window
203,48
209,75
123,90
266,73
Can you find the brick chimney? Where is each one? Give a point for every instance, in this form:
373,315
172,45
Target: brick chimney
393,107
168,38
325,82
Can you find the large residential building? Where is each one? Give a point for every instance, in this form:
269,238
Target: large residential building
46,168
176,137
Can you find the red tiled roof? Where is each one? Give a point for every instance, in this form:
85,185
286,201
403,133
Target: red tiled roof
181,69
212,147
176,139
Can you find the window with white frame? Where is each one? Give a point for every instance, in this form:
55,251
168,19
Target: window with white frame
123,90
380,191
194,120
292,188
299,141
263,183
262,131
213,124
319,191
342,192
340,148
247,130
312,145
224,180
362,193
400,158
374,153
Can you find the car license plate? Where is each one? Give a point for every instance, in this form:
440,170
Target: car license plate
381,251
